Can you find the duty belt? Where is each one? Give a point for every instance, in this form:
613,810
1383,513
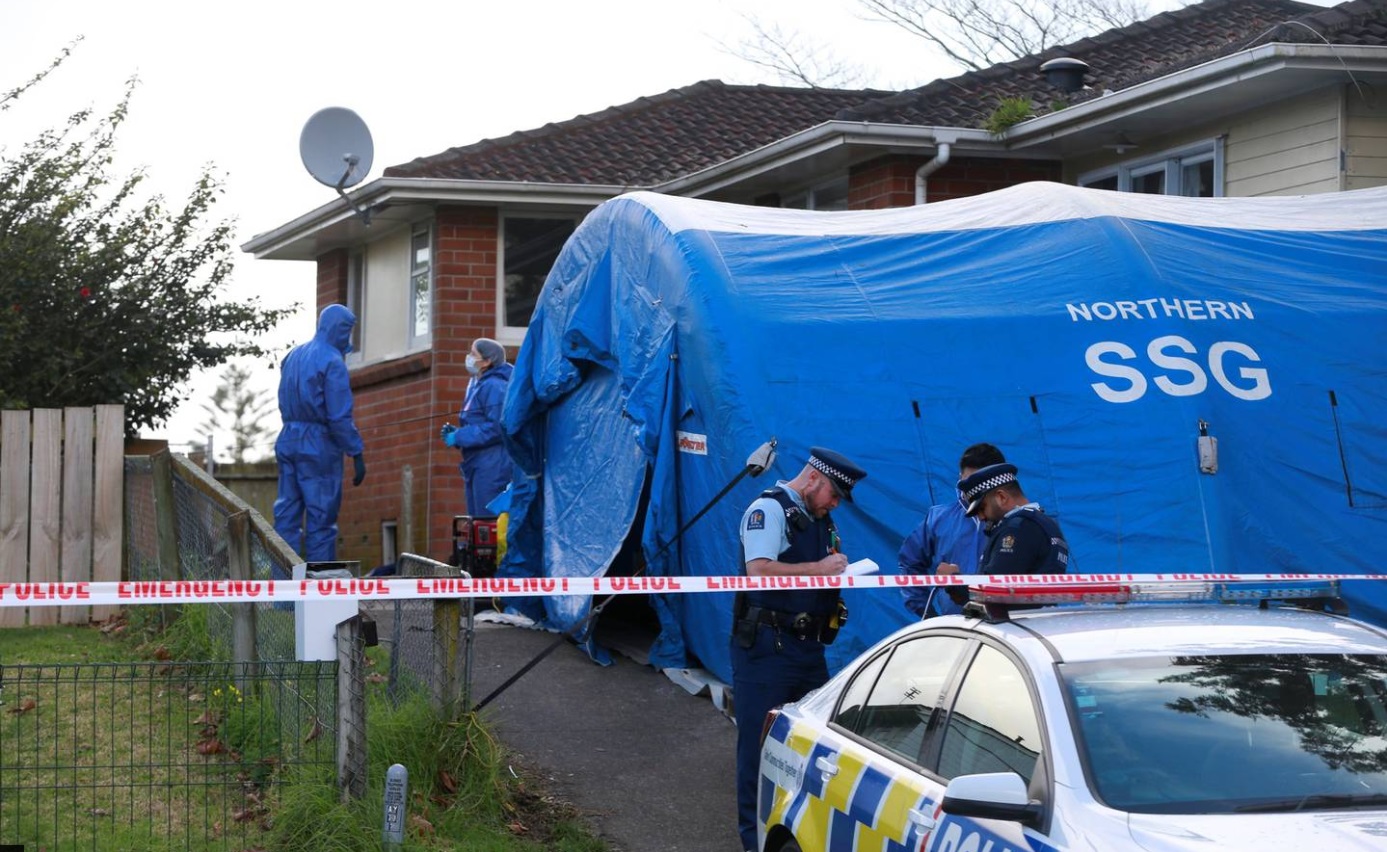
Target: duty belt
801,625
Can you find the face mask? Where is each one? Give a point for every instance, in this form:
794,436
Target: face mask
471,364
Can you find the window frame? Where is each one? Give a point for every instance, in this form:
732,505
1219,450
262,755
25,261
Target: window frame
356,300
808,198
511,335
1172,160
414,339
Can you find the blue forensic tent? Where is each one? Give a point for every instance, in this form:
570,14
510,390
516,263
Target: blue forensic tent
1087,333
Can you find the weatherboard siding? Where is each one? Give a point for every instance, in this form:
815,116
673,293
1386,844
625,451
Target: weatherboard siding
1289,149
1365,142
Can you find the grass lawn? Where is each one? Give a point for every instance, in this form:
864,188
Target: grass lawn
108,742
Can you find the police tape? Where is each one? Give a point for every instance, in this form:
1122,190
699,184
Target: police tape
80,593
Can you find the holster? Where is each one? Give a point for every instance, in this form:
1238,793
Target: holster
743,628
834,623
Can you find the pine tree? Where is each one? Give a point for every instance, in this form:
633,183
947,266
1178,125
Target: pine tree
240,409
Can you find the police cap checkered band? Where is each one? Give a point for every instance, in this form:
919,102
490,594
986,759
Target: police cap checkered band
841,473
975,486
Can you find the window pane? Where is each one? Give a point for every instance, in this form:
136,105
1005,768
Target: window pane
1197,179
897,711
531,246
420,278
992,727
356,292
832,197
1151,183
1109,182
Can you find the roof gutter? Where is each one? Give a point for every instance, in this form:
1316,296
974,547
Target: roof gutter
818,139
1181,85
390,191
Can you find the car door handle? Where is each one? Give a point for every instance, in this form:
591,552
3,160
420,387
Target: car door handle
826,766
921,819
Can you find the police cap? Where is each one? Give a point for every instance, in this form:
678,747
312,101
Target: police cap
838,469
975,486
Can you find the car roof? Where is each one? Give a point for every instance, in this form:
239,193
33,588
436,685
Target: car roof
1077,634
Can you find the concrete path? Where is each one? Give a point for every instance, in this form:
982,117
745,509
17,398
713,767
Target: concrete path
652,764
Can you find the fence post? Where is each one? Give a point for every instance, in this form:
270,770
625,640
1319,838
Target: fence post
351,710
166,516
242,614
405,543
448,657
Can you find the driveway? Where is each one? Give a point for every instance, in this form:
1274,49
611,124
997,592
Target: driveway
652,764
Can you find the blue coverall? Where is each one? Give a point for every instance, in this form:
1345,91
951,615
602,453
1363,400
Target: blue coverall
945,535
486,466
315,403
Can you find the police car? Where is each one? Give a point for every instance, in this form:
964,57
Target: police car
1183,726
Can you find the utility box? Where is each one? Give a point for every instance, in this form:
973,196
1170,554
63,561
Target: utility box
315,622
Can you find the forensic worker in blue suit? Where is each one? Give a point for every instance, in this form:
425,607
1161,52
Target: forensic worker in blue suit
486,466
778,637
315,403
946,535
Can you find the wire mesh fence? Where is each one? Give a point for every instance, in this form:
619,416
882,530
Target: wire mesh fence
157,755
428,643
198,532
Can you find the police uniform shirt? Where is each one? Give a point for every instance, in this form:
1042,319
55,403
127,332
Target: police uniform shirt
763,526
1018,546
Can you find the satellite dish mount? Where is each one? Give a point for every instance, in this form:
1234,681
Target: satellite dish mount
336,148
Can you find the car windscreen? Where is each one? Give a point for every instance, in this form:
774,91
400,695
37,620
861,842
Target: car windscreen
1232,733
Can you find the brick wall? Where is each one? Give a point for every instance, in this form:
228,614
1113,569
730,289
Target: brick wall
890,181
402,404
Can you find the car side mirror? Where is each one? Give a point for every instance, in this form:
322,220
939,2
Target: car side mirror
993,795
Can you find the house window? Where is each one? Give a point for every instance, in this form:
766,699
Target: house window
356,299
826,196
1195,171
529,246
420,285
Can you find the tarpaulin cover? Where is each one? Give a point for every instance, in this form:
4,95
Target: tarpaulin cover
1089,334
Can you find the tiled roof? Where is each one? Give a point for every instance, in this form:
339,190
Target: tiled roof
679,132
644,142
1118,59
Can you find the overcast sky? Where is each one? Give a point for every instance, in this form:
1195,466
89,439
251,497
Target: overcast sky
232,84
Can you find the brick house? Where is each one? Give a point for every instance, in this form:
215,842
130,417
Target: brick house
1226,97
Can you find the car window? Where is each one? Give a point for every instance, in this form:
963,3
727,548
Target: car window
992,727
1231,733
890,700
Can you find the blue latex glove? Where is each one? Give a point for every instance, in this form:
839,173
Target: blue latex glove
449,434
358,469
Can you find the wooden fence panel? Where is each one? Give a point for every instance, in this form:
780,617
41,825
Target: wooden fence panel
14,507
45,506
77,506
108,517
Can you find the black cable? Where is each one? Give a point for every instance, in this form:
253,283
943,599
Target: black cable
754,467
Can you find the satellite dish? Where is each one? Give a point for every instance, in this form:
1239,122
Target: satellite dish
336,148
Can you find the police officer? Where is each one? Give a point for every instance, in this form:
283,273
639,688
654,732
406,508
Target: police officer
778,637
1021,538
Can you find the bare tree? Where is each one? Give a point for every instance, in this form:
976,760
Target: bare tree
980,33
795,58
242,409
975,34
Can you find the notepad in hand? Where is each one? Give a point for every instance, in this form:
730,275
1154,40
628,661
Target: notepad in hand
862,566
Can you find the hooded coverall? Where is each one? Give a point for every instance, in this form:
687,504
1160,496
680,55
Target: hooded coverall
315,403
486,466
